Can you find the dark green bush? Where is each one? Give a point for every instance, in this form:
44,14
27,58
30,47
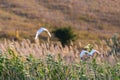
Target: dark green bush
65,35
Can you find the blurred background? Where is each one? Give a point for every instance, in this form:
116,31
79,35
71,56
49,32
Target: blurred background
90,19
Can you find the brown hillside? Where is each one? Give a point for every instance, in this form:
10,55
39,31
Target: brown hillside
92,18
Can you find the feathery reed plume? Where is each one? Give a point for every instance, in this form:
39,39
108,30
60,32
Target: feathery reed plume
25,47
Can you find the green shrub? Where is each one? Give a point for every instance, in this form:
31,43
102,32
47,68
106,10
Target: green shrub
65,35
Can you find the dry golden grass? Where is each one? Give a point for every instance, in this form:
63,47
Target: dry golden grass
69,53
16,63
101,17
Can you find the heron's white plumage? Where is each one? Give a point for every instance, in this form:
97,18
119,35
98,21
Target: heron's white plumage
91,53
40,31
83,52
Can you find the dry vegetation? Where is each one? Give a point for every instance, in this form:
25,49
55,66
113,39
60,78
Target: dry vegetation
27,16
50,61
69,53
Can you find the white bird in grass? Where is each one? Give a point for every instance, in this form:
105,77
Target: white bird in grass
40,31
85,53
90,52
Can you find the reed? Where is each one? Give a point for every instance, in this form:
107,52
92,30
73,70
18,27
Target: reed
50,61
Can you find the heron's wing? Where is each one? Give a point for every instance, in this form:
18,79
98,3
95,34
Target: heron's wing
97,51
93,51
47,31
83,52
39,32
36,36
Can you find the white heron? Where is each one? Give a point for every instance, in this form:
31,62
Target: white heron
90,52
40,31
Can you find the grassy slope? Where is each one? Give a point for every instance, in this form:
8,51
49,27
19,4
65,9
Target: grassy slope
100,17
